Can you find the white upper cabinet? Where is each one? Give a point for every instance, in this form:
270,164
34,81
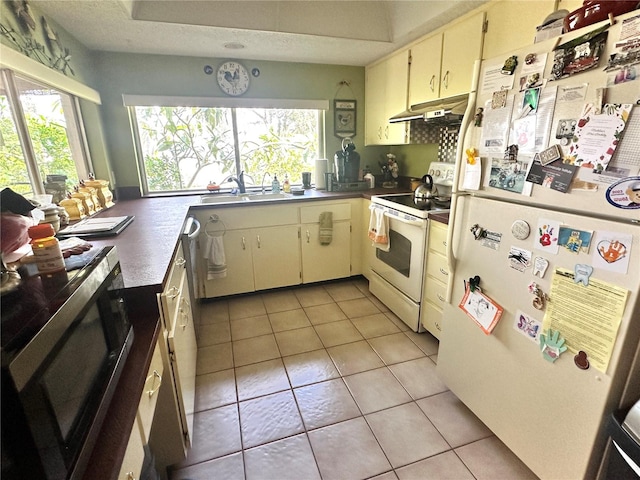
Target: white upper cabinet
442,64
386,95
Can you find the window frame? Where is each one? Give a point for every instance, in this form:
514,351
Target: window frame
133,101
76,133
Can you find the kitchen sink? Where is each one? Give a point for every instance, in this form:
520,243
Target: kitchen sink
243,197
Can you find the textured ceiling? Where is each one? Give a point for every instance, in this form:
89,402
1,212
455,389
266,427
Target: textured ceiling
339,32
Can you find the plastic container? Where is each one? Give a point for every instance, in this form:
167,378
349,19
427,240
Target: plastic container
46,249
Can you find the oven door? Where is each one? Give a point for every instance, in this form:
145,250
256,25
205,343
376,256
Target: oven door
403,265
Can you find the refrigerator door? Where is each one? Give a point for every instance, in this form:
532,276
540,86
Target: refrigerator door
553,110
549,414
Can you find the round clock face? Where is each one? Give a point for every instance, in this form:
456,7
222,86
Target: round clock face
233,78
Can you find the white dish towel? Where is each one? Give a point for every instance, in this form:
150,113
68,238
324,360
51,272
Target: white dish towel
379,229
216,259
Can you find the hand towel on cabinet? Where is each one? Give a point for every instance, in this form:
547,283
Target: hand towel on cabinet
325,234
379,229
216,259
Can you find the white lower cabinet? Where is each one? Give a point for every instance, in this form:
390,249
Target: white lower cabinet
172,428
275,246
436,280
276,257
333,260
134,455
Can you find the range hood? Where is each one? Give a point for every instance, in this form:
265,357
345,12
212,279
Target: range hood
444,111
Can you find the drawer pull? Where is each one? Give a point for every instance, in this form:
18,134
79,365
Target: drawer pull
153,377
444,243
173,292
443,271
244,243
185,318
258,239
181,262
440,297
308,236
131,476
437,326
432,83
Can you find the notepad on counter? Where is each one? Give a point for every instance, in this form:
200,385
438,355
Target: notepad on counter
100,226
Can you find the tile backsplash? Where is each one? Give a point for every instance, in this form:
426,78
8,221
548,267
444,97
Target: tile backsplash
446,137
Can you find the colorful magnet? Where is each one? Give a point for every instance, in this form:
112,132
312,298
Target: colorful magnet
530,59
540,298
478,232
509,65
581,360
625,193
540,266
552,345
520,229
582,273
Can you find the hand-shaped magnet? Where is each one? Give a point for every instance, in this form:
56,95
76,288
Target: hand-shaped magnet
552,345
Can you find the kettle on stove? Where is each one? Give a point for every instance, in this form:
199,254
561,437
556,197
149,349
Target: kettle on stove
425,193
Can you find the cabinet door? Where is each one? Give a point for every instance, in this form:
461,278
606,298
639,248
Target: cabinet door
133,456
326,262
374,100
276,256
424,80
397,83
501,39
461,47
239,279
183,351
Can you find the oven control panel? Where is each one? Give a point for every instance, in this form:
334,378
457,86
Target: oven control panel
442,173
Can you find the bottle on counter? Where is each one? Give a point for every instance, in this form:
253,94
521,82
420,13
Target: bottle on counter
368,177
286,186
46,248
275,185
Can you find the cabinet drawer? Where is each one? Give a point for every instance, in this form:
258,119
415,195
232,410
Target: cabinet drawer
438,237
431,318
133,456
149,398
435,292
311,214
437,267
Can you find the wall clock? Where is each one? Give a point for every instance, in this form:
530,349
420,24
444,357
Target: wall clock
233,78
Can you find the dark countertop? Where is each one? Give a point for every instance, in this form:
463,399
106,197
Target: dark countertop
145,249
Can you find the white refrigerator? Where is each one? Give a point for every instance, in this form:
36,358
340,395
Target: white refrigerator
555,350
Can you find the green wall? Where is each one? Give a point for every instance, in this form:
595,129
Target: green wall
184,76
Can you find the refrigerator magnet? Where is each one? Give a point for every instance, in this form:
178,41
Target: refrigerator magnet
624,193
552,345
481,309
520,229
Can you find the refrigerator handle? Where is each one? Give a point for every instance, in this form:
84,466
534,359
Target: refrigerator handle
469,113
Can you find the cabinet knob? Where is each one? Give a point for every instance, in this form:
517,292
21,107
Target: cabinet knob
308,236
181,262
443,271
244,243
440,297
258,240
173,292
130,476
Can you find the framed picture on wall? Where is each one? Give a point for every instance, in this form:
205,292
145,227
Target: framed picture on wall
344,118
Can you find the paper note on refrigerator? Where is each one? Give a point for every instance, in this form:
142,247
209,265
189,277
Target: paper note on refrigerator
587,316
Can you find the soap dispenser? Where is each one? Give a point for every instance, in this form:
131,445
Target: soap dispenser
275,185
286,186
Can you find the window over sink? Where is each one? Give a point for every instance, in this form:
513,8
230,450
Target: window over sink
184,148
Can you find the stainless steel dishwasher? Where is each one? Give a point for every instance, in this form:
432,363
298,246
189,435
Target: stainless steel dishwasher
189,239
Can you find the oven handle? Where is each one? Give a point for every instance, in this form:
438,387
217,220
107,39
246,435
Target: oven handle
418,223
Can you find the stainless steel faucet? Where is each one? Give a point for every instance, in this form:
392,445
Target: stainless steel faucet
262,184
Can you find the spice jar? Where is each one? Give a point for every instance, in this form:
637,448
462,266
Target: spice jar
46,248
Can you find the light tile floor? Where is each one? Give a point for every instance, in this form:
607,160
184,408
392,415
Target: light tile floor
323,382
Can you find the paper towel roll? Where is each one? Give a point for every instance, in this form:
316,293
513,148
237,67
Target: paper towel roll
321,169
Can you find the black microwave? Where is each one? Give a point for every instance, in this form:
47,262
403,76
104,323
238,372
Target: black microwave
65,339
